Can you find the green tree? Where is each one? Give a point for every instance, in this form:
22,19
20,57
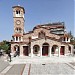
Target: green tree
5,46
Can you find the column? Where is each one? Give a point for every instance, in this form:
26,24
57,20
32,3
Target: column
66,39
31,51
18,39
21,50
21,39
50,51
65,50
41,51
15,38
59,52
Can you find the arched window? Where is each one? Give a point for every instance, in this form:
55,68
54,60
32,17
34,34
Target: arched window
41,34
54,49
16,50
36,49
16,38
67,38
18,30
17,11
20,38
64,38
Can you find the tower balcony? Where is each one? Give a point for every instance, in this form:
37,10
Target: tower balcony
17,38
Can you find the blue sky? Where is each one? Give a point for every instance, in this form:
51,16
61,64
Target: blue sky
36,12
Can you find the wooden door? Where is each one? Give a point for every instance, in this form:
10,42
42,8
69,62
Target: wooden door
62,50
45,50
25,50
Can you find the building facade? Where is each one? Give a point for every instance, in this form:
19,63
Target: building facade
44,40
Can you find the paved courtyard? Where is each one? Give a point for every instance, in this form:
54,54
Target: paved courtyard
51,69
38,66
3,65
40,69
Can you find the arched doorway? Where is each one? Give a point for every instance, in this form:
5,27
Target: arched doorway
55,50
25,50
16,50
62,50
36,50
45,48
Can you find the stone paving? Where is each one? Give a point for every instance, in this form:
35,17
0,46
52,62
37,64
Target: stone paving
26,70
16,69
38,66
3,65
54,59
41,69
51,69
73,63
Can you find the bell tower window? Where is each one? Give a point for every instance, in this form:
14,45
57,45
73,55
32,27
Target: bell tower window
17,11
64,38
18,30
16,38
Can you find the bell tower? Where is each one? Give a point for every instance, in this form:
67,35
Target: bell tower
18,16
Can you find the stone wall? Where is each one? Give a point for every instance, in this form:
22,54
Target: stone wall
36,32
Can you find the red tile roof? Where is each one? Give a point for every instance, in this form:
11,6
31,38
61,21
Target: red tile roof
19,42
66,35
49,26
18,34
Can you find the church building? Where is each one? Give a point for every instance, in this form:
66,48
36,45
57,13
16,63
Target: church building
44,40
